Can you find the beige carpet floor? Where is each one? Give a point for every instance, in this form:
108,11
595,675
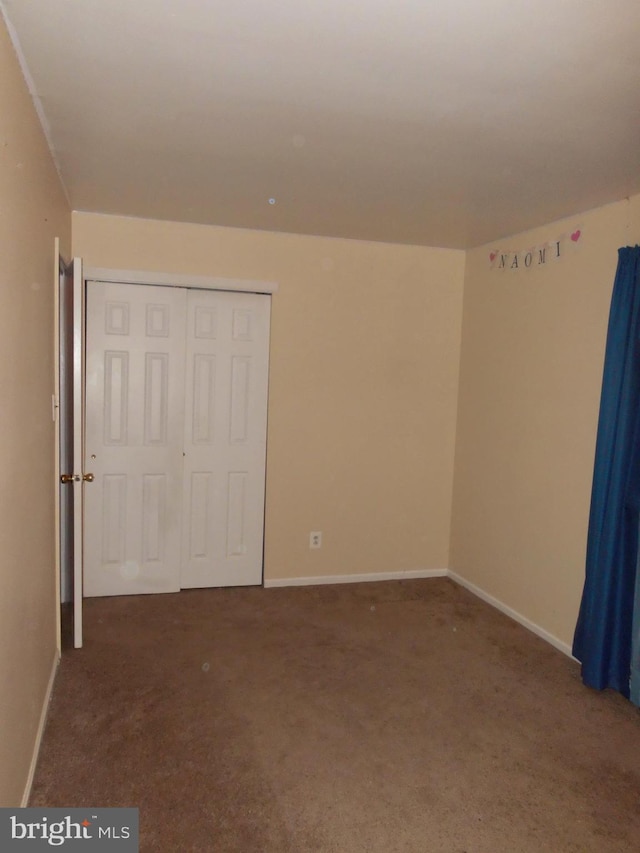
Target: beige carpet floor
380,717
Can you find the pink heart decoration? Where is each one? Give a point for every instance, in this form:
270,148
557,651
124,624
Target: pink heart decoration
492,256
576,235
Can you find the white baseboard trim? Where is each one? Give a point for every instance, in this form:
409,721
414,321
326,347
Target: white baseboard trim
40,732
364,578
565,648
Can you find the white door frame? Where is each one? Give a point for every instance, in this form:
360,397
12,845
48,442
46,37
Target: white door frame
137,277
200,282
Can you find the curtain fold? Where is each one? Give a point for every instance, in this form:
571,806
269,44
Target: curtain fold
634,681
603,636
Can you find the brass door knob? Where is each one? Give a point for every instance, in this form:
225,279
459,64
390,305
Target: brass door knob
88,478
67,478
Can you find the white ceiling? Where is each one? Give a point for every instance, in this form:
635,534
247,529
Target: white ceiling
436,122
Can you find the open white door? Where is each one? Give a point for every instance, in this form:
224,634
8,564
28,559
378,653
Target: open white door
58,284
79,477
70,325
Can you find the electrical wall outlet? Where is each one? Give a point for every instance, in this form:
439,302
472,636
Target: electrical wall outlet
315,539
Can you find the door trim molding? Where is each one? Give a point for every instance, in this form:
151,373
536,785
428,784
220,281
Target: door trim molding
201,282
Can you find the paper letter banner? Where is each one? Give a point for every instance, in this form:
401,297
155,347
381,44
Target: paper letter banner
535,257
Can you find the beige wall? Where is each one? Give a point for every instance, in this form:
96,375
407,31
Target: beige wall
363,384
531,368
33,210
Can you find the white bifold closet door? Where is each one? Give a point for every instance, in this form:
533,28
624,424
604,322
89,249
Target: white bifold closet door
176,438
225,438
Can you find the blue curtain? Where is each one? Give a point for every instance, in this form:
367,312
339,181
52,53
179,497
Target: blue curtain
634,683
604,633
